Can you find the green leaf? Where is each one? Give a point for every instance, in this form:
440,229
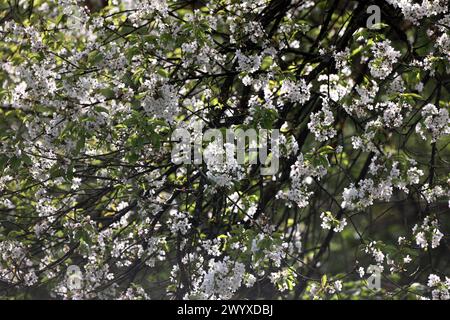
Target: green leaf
324,280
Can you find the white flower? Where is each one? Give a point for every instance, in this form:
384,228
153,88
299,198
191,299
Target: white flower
428,230
221,279
165,106
122,205
326,220
440,294
436,238
361,272
414,11
250,280
392,114
407,259
342,223
76,182
299,92
321,124
302,173
338,285
421,240
433,280
385,56
414,175
329,221
248,63
314,289
436,121
378,255
179,222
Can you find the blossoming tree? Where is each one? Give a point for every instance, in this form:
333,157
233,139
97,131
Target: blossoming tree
91,92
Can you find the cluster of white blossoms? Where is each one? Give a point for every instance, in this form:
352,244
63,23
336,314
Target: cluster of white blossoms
220,280
165,106
384,58
321,123
342,61
279,279
364,194
296,91
440,289
302,174
433,194
141,9
414,174
15,264
275,253
428,233
415,12
223,168
248,64
363,102
212,247
392,113
369,190
436,121
135,293
332,88
373,249
316,290
330,222
179,222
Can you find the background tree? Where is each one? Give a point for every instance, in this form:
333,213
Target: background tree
92,91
